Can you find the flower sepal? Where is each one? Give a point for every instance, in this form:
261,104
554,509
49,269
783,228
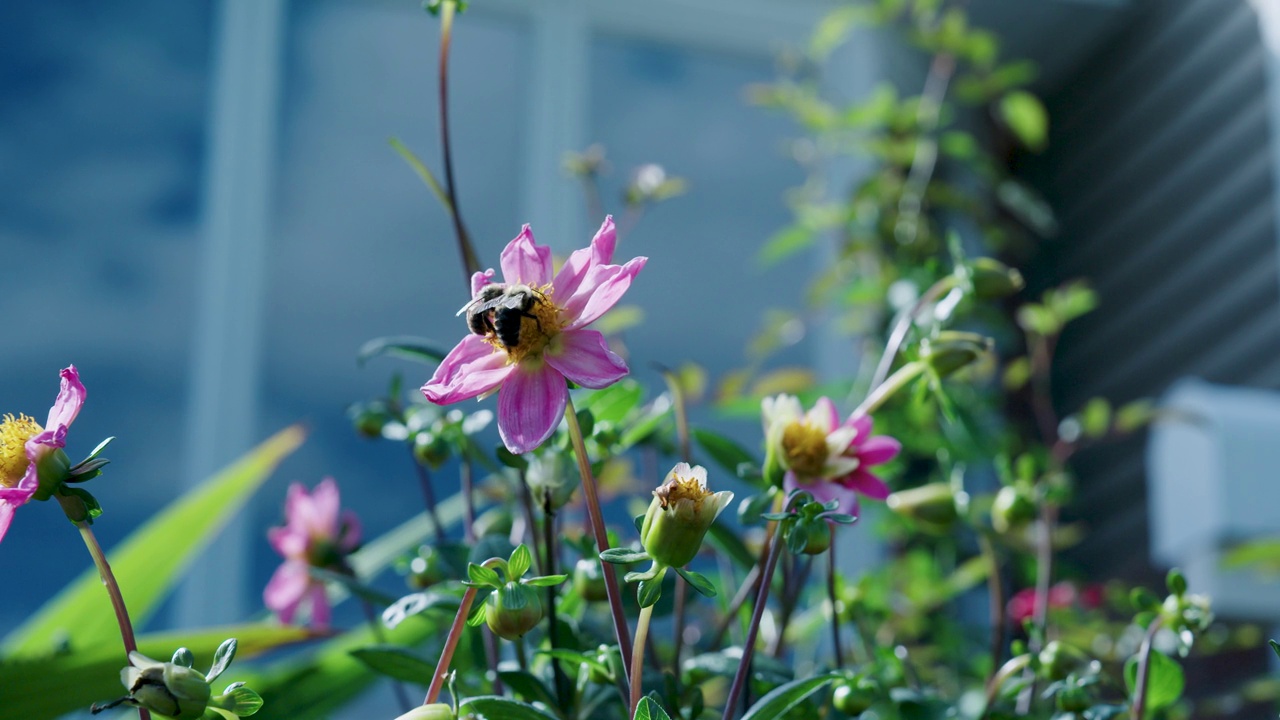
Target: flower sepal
90,467
78,504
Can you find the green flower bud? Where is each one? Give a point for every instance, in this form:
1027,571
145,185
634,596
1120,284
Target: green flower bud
550,475
428,568
430,450
993,279
932,507
952,350
588,580
434,711
174,691
610,657
513,611
1012,509
679,516
819,537
855,695
1058,659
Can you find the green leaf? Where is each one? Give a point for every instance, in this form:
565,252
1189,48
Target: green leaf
1095,417
529,686
1164,680
623,556
151,559
727,453
415,603
1027,119
492,706
726,540
520,562
784,243
62,683
782,700
614,403
481,575
698,582
1275,646
397,662
649,591
222,657
401,346
241,701
650,710
545,580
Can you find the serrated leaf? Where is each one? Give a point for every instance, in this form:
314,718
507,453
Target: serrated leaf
727,453
401,346
397,662
1165,680
782,700
492,706
650,710
146,574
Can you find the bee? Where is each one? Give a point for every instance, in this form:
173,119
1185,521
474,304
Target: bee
501,310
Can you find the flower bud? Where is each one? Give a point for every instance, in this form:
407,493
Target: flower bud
588,580
855,695
1012,509
932,506
679,516
512,611
434,711
993,279
174,691
818,538
549,475
953,350
1058,659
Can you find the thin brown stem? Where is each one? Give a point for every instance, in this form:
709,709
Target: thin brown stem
835,602
596,518
468,503
450,644
113,592
995,590
757,613
549,568
428,497
470,263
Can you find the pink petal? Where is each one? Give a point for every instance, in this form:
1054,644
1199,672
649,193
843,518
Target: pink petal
70,400
825,492
325,501
479,280
861,423
584,357
6,516
349,538
864,482
291,544
603,286
530,405
580,261
524,261
471,368
879,449
299,510
286,588
321,613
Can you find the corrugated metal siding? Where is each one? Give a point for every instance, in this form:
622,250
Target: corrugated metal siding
1161,171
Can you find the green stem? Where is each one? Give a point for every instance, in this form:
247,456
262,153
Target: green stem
549,568
903,325
601,534
450,644
1144,670
995,591
757,613
886,389
637,658
470,263
113,591
835,604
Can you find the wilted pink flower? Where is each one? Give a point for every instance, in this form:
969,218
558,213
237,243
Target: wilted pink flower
25,446
316,534
823,456
528,335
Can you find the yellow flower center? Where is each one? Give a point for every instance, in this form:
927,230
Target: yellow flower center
14,434
535,326
678,488
805,449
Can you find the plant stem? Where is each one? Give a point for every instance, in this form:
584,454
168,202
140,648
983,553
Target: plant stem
470,263
637,658
428,497
549,568
995,589
113,592
450,644
749,585
835,603
681,409
375,627
468,503
601,534
903,325
757,613
1144,670
886,389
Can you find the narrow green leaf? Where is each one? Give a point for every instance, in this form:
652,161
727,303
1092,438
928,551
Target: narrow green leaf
222,657
623,556
782,700
649,592
397,662
492,706
698,582
58,684
401,346
152,558
420,168
482,575
546,580
1164,680
1275,646
520,562
726,452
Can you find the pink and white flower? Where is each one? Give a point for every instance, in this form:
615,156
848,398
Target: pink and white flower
317,533
25,446
824,456
554,344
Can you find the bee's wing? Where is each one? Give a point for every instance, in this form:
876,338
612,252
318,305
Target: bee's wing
474,301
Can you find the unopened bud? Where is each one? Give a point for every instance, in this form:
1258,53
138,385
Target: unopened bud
512,611
1012,509
993,279
679,516
175,691
434,711
953,350
588,580
932,506
1058,659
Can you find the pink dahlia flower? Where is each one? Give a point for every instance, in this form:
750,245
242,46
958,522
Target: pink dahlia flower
317,533
823,456
529,335
25,446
